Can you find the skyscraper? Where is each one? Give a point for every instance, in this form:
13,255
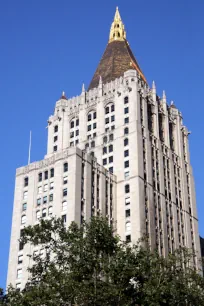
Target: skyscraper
116,149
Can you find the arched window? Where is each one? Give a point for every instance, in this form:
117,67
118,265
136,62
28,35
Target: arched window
65,167
128,226
44,213
55,128
25,181
127,188
91,124
118,34
23,219
38,214
126,142
64,205
50,211
74,131
107,110
126,131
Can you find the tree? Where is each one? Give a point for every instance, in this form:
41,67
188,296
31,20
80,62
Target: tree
89,265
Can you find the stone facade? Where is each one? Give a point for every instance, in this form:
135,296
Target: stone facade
136,135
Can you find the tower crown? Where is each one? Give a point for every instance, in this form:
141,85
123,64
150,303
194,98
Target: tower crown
117,31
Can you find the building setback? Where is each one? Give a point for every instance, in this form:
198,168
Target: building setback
131,132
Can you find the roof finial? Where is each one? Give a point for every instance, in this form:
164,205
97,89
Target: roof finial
117,31
83,87
63,96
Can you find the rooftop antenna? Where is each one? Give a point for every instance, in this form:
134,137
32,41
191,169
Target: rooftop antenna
29,150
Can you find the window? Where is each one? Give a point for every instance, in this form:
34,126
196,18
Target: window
111,169
128,238
71,134
89,117
105,161
45,200
127,213
106,129
46,175
50,211
112,108
55,128
51,185
93,144
107,120
52,172
94,115
40,189
65,180
127,201
24,206
55,148
126,131
126,153
44,213
112,118
126,120
21,245
127,174
55,138
126,100
77,132
126,142
104,150
105,139
111,159
94,125
94,135
38,201
25,195
65,167
64,205
45,187
39,177
126,110
89,128
127,188
126,164
111,137
110,148
64,192
77,141
71,144
20,259
25,181
72,124
64,218
38,214
107,110
77,122
51,197
23,219
128,226
19,273
113,127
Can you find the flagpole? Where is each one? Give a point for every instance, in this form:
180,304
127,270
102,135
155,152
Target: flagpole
29,148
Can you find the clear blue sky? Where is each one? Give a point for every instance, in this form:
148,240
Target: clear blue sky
50,46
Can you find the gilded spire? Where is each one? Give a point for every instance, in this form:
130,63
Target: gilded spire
117,31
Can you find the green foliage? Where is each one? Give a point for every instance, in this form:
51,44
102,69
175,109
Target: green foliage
89,265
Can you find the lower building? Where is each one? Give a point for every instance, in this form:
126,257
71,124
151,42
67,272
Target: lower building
70,185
